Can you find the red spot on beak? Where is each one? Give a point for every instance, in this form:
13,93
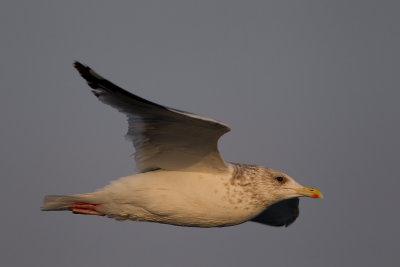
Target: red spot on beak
315,196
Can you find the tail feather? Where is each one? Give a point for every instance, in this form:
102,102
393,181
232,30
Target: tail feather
55,202
58,202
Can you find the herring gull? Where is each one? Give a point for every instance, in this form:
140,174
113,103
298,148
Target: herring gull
182,178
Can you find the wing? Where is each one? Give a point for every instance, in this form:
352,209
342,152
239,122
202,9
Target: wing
283,213
164,138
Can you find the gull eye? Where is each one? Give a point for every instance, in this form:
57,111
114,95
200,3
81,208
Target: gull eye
280,179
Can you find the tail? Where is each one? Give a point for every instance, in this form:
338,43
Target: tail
58,202
78,204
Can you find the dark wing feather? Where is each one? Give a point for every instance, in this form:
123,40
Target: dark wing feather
283,213
164,138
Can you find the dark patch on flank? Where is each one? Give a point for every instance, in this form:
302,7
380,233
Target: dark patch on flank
283,213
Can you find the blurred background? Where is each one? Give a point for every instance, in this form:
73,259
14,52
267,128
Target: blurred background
310,88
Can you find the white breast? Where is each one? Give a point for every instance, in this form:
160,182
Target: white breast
180,198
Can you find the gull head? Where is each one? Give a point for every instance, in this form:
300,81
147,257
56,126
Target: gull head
279,186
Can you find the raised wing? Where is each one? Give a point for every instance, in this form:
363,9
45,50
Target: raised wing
164,138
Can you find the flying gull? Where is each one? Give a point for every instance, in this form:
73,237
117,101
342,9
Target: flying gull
182,179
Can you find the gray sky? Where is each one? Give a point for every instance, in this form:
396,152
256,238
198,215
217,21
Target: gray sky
310,88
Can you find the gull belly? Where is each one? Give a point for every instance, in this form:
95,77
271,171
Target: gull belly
178,198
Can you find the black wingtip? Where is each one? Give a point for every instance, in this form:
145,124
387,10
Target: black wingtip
80,67
88,74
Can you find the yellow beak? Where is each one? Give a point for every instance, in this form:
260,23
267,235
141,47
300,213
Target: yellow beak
309,192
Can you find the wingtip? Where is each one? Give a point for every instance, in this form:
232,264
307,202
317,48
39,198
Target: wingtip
82,69
91,77
78,65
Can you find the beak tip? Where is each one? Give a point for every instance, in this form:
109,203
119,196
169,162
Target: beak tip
310,192
317,194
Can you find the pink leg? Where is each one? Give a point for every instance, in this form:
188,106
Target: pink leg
85,208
